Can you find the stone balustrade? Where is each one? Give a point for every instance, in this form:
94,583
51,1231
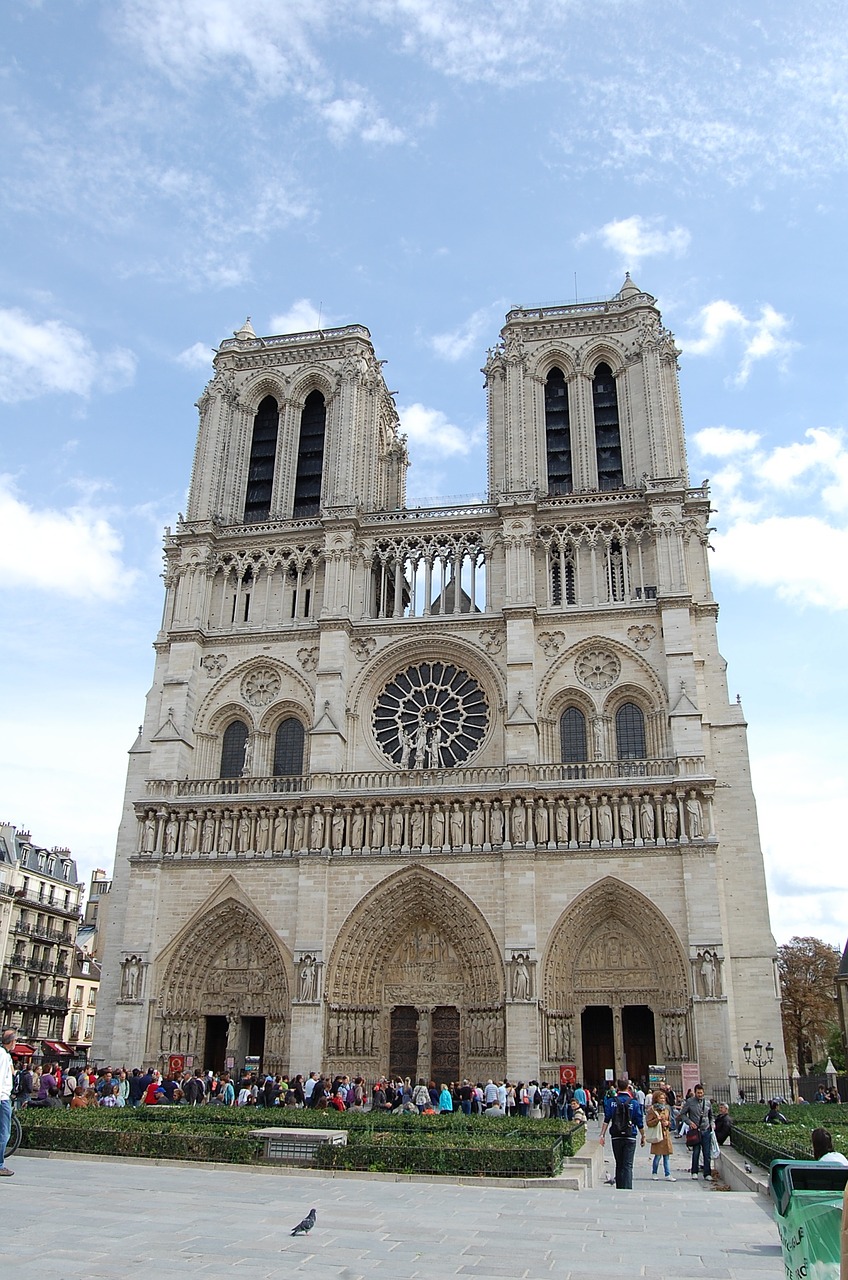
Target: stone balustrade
474,777
616,817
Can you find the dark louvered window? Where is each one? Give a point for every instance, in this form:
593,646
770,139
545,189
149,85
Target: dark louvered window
607,430
288,748
630,732
263,455
232,750
558,433
310,456
572,735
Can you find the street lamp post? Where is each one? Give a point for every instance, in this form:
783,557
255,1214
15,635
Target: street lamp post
759,1061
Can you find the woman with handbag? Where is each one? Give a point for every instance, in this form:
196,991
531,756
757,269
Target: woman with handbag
658,1133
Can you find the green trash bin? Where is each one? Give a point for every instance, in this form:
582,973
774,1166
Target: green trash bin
807,1199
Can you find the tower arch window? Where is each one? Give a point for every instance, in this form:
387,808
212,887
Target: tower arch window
310,456
263,455
572,736
630,732
563,579
607,429
288,747
232,750
558,433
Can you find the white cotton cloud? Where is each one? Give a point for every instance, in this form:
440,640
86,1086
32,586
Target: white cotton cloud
636,238
760,339
457,343
801,558
724,442
824,454
354,117
197,356
302,317
430,431
74,552
504,41
50,357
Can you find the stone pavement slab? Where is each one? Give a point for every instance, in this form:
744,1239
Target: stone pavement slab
106,1219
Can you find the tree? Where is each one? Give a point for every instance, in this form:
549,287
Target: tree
808,969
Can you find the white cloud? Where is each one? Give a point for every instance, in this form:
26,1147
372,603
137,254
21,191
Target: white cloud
760,339
458,343
74,552
724,442
432,433
197,356
348,117
801,558
823,454
302,317
635,238
48,357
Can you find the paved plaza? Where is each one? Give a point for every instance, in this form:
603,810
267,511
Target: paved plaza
75,1218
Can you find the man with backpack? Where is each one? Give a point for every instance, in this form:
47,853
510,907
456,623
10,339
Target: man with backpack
623,1117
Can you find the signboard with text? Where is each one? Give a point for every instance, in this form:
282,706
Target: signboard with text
690,1074
656,1074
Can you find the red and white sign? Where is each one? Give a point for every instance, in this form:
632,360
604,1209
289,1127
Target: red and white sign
176,1063
568,1073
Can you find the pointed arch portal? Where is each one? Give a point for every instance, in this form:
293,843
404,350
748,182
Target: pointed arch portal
225,993
416,984
616,992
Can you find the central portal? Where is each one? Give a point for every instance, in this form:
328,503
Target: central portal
445,1064
598,1044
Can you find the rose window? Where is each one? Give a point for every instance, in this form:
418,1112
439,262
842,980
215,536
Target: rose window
261,686
597,668
431,716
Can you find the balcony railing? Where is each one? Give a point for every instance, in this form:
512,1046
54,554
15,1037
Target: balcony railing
33,900
473,777
33,930
32,1000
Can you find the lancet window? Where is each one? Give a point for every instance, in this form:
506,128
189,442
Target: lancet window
310,456
233,750
607,429
572,736
413,578
630,732
263,454
558,433
268,588
597,564
288,748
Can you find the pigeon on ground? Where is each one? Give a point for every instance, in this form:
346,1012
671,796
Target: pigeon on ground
748,1168
306,1225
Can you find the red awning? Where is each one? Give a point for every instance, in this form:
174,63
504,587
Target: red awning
57,1047
24,1050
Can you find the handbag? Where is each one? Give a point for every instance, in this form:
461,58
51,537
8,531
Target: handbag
693,1137
654,1132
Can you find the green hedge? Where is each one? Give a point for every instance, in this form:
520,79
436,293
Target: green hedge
406,1143
763,1143
815,1115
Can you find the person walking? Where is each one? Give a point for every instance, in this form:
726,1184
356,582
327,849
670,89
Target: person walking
7,1076
658,1118
624,1118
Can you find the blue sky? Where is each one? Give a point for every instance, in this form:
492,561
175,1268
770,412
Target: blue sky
171,166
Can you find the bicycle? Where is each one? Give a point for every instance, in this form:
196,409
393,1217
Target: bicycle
16,1133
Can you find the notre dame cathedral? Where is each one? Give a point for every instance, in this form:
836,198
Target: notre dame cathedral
446,791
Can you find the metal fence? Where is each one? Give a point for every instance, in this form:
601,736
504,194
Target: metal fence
776,1086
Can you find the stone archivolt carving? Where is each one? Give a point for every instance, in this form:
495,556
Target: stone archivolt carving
597,668
610,943
550,642
308,658
260,686
492,640
213,664
362,647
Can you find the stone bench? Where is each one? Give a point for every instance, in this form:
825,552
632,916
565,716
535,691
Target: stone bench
297,1146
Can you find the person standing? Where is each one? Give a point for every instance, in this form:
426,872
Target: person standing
698,1114
624,1118
7,1075
661,1147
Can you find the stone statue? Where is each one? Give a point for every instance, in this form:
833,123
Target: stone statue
279,838
478,824
542,823
584,823
148,834
316,830
308,979
646,815
435,749
299,830
519,823
561,822
437,827
405,747
225,833
520,978
244,832
457,827
263,831
130,979
378,824
172,831
190,833
416,827
207,834
357,829
625,819
709,973
397,827
694,816
604,822
496,824
248,757
338,829
670,818
598,730
421,745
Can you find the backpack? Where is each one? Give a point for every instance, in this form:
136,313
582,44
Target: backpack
537,1099
621,1124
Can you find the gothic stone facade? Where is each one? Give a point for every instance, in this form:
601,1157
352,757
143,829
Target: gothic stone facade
450,791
